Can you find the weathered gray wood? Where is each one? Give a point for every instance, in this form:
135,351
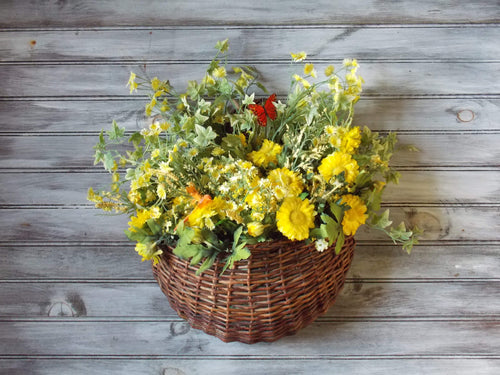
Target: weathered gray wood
80,224
289,12
379,114
436,150
321,339
108,262
69,189
382,79
386,300
70,262
365,43
251,366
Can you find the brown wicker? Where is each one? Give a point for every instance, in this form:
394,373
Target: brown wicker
280,289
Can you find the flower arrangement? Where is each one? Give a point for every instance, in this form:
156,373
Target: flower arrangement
218,169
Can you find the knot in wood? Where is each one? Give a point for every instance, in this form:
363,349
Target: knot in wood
465,115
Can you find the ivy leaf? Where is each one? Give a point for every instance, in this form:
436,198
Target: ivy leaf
204,135
381,221
337,211
108,161
116,132
331,229
136,139
239,251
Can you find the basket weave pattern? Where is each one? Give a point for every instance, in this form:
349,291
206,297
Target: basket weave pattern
280,289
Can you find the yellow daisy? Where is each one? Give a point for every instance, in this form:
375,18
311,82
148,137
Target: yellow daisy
267,154
295,217
355,216
337,163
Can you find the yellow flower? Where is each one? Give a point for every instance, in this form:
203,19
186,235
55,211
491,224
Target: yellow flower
137,222
309,70
267,154
285,183
347,141
148,251
255,229
298,57
207,208
355,216
155,84
351,140
155,153
219,72
132,83
295,217
337,163
304,82
329,70
160,191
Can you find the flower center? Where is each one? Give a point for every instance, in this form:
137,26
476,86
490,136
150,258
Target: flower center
297,217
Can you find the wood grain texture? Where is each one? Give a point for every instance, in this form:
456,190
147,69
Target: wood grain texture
224,12
270,44
382,79
87,224
250,366
334,339
435,150
74,296
363,300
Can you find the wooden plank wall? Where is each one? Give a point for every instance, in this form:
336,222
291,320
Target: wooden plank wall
74,297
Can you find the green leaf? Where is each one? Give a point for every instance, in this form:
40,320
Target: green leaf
209,261
116,132
339,243
222,46
154,226
108,161
381,221
204,135
331,229
136,139
239,251
337,211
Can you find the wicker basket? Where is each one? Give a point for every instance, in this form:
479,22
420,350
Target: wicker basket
280,289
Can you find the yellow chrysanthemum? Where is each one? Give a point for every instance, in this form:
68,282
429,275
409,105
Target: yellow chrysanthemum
337,163
351,140
346,140
267,154
285,183
355,216
295,217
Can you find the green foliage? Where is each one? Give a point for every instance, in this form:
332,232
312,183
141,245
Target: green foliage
208,175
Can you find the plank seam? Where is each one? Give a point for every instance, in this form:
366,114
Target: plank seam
327,26
198,357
